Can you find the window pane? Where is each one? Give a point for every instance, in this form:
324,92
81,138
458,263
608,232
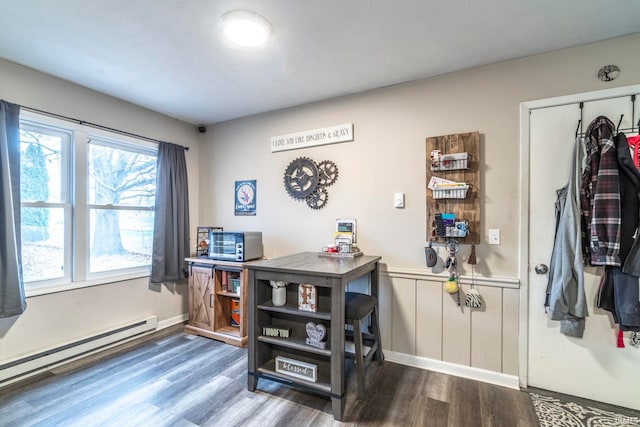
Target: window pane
120,239
121,177
40,166
42,243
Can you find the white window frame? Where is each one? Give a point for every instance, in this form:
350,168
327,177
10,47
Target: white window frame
77,211
66,136
107,140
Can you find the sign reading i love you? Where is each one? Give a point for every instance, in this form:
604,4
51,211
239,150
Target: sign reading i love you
316,334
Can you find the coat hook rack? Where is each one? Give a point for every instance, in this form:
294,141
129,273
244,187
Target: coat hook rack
619,122
633,112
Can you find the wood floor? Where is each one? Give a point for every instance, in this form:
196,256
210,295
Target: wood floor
175,379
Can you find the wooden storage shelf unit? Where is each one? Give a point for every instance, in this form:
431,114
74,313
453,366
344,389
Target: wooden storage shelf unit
464,203
295,347
330,277
212,304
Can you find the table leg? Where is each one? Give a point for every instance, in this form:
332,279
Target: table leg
337,405
252,382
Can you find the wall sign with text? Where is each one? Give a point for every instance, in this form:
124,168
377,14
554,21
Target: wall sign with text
310,138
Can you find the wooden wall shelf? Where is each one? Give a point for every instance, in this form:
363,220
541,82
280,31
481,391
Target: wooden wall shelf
467,208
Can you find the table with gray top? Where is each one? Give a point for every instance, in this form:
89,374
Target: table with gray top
330,275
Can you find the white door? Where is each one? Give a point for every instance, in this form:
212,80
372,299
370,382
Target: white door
591,367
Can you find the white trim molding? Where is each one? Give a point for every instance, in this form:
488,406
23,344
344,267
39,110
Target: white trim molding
497,378
406,273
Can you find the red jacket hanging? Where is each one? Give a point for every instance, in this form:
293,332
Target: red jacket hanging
634,144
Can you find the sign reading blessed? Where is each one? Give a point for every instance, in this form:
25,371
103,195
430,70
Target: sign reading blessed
310,138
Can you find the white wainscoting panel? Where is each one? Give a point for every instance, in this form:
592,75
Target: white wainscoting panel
510,336
486,328
421,325
428,320
403,327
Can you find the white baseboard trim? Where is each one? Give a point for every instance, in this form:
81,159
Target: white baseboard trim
173,321
496,378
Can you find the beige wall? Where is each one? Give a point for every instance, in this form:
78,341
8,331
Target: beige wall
388,155
421,325
53,319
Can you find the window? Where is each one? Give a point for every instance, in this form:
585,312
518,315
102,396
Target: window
87,204
122,184
46,211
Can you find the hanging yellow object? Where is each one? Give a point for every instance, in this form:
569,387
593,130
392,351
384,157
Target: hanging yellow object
451,286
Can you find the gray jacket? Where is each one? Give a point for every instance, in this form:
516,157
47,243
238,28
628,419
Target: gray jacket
566,300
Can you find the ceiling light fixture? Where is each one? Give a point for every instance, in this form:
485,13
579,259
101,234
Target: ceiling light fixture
245,28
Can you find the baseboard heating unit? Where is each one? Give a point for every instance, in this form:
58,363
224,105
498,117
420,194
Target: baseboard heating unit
32,364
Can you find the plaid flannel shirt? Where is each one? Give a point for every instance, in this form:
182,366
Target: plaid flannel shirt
600,196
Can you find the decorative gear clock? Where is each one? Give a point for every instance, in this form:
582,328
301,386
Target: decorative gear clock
306,180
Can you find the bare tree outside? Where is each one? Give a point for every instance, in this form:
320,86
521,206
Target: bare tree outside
120,182
122,195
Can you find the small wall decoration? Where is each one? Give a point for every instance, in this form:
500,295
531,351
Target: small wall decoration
307,180
245,195
310,138
296,368
316,334
307,297
608,73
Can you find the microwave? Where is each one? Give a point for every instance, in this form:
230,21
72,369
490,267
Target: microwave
235,246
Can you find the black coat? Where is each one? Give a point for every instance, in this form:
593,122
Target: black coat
629,177
619,288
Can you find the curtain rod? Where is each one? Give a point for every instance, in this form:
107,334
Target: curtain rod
95,125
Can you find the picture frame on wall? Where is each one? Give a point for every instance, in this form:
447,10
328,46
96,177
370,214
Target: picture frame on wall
245,198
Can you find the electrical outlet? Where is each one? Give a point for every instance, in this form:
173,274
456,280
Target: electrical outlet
398,200
494,236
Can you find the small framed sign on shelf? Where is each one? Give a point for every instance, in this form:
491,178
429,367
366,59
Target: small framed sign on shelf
307,297
276,331
297,369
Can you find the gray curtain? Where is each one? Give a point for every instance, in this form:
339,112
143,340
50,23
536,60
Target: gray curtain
12,300
171,226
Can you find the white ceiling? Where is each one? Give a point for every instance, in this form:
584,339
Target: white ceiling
168,56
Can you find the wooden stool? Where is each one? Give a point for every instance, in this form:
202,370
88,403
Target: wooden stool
358,307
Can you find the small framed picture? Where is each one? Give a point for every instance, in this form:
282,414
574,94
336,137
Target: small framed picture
307,297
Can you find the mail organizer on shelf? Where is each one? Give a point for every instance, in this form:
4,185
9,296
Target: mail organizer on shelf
447,226
445,162
450,191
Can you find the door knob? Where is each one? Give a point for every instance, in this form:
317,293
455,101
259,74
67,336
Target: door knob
541,269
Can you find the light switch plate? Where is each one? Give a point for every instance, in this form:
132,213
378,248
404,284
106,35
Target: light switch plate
494,236
398,200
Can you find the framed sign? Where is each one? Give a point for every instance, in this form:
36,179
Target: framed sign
245,195
297,369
